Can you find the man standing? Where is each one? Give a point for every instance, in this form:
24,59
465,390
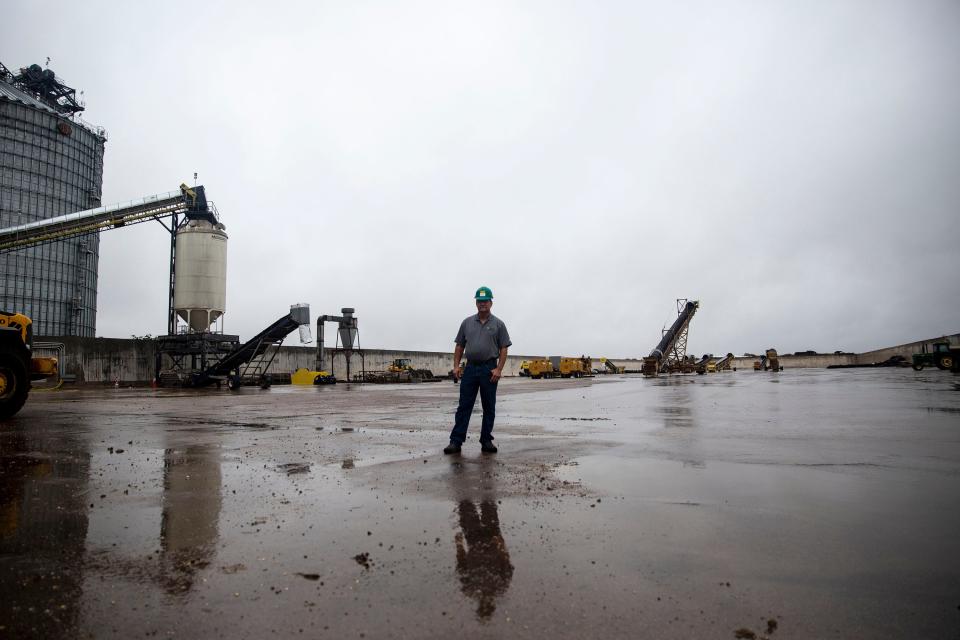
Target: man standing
483,338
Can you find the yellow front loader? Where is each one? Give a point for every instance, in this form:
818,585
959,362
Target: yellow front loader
17,366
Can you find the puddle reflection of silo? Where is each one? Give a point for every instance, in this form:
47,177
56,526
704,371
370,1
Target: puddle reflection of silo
191,513
483,560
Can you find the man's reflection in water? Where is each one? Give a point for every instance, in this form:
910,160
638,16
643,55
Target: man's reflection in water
483,561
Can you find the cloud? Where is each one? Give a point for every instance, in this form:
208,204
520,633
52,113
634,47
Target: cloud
791,166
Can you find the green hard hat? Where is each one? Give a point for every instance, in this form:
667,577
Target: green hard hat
484,293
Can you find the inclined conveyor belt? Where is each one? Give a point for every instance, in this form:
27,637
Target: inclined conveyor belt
247,351
725,361
670,337
103,218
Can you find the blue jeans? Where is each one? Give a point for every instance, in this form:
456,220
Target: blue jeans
475,378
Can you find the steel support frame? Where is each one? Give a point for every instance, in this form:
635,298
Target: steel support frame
194,352
259,364
347,353
676,353
171,314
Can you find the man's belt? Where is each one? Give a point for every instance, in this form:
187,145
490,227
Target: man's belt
480,363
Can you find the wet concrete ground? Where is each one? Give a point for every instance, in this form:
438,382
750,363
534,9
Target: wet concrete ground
805,504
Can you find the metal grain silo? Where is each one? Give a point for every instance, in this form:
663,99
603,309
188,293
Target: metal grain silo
51,163
200,274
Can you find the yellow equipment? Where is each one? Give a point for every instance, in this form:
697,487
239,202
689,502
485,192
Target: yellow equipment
725,363
769,361
707,365
307,377
399,365
711,364
17,367
524,369
400,370
773,360
540,368
612,368
557,366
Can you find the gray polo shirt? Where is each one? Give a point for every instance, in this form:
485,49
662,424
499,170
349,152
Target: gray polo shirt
482,341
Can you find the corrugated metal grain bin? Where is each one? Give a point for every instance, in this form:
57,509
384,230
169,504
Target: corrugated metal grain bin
51,163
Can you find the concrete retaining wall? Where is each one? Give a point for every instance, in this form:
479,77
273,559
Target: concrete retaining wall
101,360
439,362
108,360
906,350
801,362
870,357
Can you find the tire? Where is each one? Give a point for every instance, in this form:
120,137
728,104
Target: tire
14,385
265,382
944,362
233,383
917,367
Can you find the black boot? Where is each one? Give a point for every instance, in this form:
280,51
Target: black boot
453,447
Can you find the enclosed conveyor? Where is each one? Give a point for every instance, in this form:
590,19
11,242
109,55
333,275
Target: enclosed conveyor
187,200
610,367
248,363
703,365
670,354
726,363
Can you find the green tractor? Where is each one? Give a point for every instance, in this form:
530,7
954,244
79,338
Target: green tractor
942,356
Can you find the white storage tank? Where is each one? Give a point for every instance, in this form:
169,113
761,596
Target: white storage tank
200,274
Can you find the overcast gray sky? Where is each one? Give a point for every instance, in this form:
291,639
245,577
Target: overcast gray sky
795,166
